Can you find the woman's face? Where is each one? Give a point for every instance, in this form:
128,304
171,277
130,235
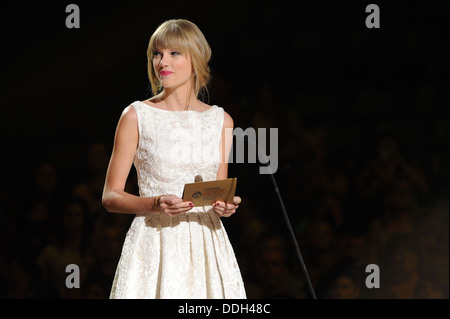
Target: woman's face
174,68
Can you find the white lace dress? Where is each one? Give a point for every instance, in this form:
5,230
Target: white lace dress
189,255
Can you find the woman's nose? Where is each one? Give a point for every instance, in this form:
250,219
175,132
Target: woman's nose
163,61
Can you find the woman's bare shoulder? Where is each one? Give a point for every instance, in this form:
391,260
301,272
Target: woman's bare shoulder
227,120
129,118
129,113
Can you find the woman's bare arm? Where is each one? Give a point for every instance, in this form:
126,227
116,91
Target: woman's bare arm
221,208
115,199
226,142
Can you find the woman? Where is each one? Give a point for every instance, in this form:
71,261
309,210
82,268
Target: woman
173,249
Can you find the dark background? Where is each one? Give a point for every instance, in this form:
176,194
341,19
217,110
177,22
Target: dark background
335,90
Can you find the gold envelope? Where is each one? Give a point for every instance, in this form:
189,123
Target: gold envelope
206,193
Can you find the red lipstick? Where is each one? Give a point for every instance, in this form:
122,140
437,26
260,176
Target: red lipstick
165,73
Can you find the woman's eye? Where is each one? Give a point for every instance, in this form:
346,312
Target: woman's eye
156,53
175,53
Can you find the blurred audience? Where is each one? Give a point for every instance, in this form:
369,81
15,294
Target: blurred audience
348,210
272,275
318,246
345,286
69,247
91,188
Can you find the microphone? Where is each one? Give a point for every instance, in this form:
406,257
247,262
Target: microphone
198,178
261,154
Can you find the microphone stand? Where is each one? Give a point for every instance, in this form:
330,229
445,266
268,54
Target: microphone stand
286,217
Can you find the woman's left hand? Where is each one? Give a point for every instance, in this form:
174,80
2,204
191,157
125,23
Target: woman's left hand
226,209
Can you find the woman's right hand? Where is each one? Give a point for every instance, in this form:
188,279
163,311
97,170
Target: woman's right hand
172,205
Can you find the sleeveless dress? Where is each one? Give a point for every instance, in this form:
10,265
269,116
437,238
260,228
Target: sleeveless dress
188,255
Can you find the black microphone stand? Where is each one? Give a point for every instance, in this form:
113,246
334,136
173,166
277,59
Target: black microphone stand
286,218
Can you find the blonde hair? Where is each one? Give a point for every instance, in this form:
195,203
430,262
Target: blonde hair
183,36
